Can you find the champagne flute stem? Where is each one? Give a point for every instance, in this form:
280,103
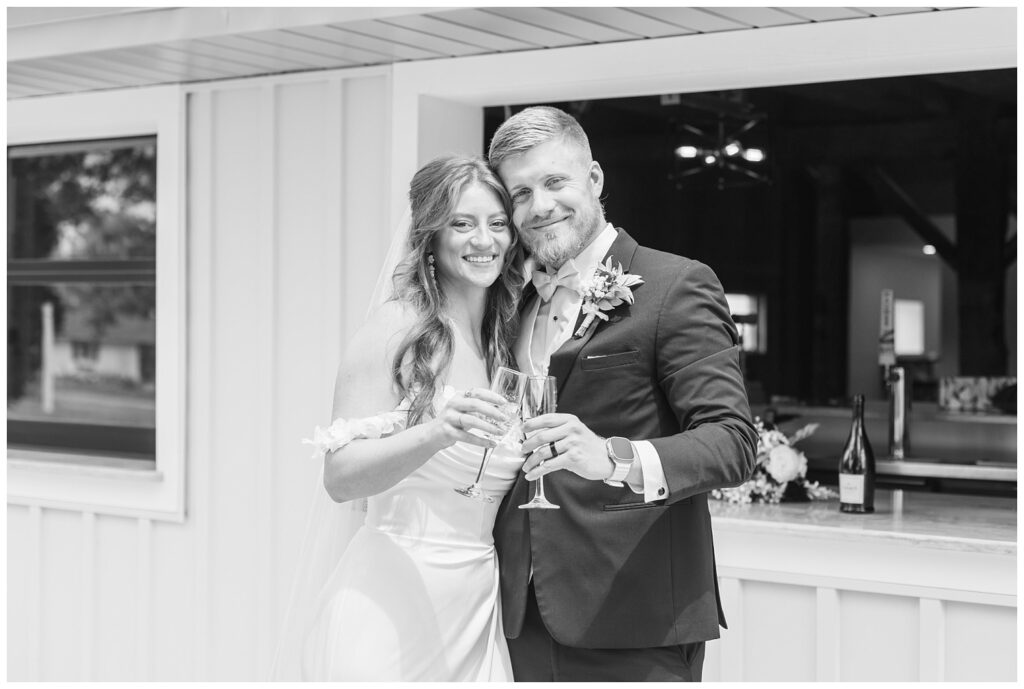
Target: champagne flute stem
483,466
540,489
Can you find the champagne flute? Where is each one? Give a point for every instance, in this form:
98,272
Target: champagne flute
510,385
540,398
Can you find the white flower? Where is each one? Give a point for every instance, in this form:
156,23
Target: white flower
767,440
786,464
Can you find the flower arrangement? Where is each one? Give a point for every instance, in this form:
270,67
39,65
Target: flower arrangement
779,473
609,287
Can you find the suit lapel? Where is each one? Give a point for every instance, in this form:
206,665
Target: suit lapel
529,291
564,359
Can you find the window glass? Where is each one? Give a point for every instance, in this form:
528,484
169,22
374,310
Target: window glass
81,297
908,320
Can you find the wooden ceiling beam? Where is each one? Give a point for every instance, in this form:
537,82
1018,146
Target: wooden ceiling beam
892,196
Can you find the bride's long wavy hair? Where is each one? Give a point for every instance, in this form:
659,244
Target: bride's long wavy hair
425,355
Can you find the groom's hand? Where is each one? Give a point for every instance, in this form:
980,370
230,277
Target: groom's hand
577,448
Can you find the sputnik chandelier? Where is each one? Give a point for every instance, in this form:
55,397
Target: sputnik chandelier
721,153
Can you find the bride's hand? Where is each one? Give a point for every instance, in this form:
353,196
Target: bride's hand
460,416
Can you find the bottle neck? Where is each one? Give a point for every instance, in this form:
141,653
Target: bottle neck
858,408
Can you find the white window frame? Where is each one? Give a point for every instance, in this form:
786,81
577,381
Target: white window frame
105,485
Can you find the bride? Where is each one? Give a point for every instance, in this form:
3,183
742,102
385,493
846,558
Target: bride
415,595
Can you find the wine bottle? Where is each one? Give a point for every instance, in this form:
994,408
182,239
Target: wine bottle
857,467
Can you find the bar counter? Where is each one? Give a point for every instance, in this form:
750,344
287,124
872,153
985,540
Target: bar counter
958,522
922,592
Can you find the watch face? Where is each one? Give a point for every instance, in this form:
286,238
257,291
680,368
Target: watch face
621,447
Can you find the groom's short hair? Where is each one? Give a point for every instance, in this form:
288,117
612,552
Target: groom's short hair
531,127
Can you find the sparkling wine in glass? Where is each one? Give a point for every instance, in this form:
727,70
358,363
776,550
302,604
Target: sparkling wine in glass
540,398
510,385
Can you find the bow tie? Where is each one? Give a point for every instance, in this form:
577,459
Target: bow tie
546,283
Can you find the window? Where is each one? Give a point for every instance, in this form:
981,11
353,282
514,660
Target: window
81,352
750,313
81,297
908,319
95,302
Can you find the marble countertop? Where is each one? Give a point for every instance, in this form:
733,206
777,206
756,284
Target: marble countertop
920,411
937,520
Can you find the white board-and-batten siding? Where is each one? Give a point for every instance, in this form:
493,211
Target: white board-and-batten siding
286,182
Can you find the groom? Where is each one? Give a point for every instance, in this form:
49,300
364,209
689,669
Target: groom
620,583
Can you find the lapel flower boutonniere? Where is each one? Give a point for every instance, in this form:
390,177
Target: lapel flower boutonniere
609,287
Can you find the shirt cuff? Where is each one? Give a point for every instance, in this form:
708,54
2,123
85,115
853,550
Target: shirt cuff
654,487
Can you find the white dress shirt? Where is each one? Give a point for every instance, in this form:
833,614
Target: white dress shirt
548,325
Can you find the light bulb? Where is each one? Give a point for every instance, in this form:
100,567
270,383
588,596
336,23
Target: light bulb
928,250
754,155
710,160
687,151
732,148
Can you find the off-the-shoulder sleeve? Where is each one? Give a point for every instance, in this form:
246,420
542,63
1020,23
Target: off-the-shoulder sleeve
343,431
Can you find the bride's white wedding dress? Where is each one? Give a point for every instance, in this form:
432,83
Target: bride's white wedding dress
415,595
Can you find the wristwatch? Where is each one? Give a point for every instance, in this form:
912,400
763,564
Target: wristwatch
620,451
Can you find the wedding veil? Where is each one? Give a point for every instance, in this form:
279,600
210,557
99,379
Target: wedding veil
329,525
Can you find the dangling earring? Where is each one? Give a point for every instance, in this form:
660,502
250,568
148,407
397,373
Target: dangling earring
430,268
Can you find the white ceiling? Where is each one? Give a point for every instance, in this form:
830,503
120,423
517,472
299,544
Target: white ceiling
26,16
63,50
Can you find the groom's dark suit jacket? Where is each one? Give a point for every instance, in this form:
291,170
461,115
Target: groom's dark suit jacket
609,570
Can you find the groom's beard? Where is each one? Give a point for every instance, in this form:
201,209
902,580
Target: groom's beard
553,248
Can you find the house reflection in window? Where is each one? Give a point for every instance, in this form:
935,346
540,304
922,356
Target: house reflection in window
126,352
